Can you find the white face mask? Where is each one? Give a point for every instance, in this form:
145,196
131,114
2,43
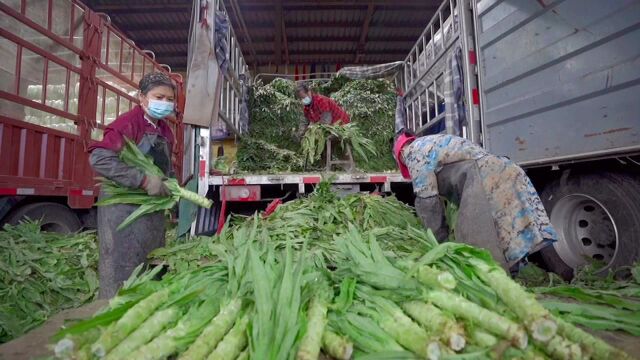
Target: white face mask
306,100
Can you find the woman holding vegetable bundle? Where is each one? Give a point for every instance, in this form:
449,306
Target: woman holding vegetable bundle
122,250
499,209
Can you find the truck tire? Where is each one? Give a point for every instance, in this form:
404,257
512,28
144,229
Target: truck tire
53,217
597,216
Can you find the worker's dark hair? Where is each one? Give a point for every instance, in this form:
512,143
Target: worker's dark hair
407,132
302,86
153,80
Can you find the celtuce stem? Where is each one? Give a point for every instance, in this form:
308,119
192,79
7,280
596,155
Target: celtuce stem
317,320
436,322
336,346
495,323
536,318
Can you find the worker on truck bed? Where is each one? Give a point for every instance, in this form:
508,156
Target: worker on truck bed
121,251
319,109
498,207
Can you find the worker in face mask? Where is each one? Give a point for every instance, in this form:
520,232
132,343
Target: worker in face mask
121,251
318,109
498,207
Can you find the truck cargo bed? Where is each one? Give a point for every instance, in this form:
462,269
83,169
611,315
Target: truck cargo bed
306,178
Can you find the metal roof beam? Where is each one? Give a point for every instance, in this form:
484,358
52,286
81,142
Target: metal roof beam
346,59
278,33
135,7
364,32
163,10
286,41
321,52
412,4
342,24
156,27
243,26
266,39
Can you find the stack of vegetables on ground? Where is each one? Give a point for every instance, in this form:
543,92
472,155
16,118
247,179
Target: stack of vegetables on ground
118,194
43,273
596,301
328,275
272,145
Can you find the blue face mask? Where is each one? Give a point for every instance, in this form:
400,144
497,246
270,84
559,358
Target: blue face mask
159,109
306,100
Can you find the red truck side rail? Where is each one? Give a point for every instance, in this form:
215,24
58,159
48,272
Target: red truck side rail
65,74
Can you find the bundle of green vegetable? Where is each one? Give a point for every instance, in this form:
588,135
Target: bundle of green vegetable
118,194
222,164
276,115
599,303
319,217
326,88
371,105
314,141
42,274
271,142
258,155
328,275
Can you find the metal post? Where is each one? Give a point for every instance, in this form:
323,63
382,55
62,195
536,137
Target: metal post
467,36
87,107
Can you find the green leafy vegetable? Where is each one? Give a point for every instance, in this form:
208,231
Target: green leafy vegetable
314,141
43,273
342,277
272,144
117,194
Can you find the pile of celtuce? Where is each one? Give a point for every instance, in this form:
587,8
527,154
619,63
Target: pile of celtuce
341,278
597,302
42,273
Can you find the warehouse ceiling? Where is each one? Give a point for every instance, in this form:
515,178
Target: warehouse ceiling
276,32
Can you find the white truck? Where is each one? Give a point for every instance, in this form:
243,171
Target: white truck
551,84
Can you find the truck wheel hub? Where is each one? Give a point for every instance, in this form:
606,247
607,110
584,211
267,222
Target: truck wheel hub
586,231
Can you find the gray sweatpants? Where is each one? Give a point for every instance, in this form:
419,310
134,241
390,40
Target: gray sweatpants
121,251
461,183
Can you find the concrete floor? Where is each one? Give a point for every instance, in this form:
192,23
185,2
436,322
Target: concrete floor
35,344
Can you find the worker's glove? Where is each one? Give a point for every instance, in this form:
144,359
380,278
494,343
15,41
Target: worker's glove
154,185
431,211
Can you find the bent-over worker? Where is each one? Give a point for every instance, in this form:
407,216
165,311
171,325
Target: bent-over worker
319,109
121,251
498,207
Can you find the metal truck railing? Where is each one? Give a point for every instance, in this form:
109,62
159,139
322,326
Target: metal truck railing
65,74
233,86
424,79
234,79
230,120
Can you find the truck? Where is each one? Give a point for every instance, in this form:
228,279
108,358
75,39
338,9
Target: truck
65,72
550,84
553,86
